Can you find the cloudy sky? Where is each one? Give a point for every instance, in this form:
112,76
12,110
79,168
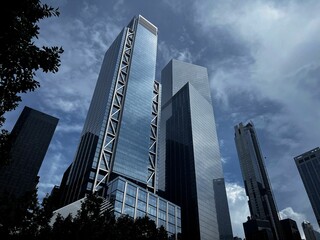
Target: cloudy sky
263,60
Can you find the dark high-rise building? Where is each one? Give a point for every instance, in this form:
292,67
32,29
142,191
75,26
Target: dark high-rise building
261,202
290,229
308,165
189,156
257,229
120,131
309,232
31,136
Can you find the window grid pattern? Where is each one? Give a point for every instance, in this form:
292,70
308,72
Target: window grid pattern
128,198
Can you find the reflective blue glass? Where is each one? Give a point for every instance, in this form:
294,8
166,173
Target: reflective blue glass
142,195
152,200
131,190
189,149
133,144
130,201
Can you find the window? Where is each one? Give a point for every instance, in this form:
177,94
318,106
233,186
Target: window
118,206
171,228
171,209
142,195
140,214
162,215
129,210
171,219
152,200
92,175
130,201
142,206
119,196
162,205
131,190
89,186
152,210
121,185
161,223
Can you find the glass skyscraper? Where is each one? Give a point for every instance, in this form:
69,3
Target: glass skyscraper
31,135
120,131
117,153
189,157
261,202
308,165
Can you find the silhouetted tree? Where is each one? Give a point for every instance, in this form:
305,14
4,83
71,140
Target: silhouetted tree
20,217
25,218
20,58
145,229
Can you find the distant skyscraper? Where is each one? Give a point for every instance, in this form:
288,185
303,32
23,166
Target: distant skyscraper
261,202
189,157
290,229
120,131
31,134
308,165
309,232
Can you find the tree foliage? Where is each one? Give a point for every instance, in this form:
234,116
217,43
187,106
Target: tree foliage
20,58
25,218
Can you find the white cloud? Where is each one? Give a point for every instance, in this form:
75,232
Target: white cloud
238,207
167,52
68,128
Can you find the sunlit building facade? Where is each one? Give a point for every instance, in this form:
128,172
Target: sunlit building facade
189,156
308,165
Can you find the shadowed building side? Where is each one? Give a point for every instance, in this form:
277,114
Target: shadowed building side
31,135
189,156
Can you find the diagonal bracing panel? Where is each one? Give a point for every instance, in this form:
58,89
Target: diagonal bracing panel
151,181
111,134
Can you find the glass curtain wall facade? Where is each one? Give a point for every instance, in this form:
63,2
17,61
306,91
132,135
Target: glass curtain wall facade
308,165
189,157
116,138
31,134
261,202
131,199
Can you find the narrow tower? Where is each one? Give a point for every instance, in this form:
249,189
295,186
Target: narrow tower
261,202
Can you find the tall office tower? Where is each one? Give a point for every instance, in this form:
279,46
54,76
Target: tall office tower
189,157
308,165
120,132
117,153
31,135
309,232
261,203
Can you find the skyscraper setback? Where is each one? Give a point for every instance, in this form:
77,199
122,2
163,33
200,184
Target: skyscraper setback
189,158
261,202
308,165
31,135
